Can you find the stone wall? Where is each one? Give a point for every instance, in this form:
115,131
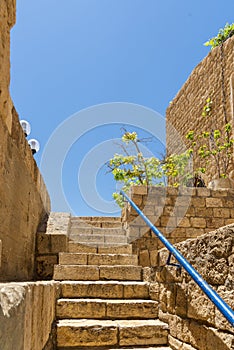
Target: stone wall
179,213
27,313
213,77
51,240
194,321
24,201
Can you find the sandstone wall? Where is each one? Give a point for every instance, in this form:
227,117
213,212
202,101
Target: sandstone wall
24,201
194,321
51,240
179,213
213,77
27,313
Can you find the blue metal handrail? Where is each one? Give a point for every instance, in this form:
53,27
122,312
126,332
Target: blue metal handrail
227,312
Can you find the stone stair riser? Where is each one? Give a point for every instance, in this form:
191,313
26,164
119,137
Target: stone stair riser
80,248
106,290
88,333
107,309
95,273
97,259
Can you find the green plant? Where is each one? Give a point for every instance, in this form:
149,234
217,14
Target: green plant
216,145
135,169
223,34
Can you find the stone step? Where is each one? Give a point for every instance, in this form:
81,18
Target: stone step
96,218
98,239
105,289
95,273
149,348
97,231
97,259
98,224
107,249
106,309
103,333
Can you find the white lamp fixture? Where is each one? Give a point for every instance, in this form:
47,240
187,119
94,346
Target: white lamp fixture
26,127
35,146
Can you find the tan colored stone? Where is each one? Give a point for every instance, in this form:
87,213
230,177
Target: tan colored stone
214,203
97,289
198,222
73,259
112,259
76,272
122,249
133,290
121,273
131,309
139,190
86,333
80,248
143,333
81,308
59,243
221,213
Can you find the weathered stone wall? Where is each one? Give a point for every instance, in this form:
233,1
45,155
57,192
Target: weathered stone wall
194,321
27,313
24,201
213,77
179,213
51,240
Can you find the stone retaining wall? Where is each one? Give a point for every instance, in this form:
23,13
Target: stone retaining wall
194,322
52,238
27,313
179,213
24,201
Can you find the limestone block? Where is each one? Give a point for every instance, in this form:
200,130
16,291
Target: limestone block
131,309
136,290
43,243
204,192
198,222
137,199
139,190
80,248
45,266
144,258
199,306
112,259
121,273
122,249
59,243
97,289
214,203
86,333
80,308
76,272
221,213
73,259
143,333
58,223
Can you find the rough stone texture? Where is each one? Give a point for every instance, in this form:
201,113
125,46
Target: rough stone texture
93,333
184,112
193,319
24,200
179,213
51,240
27,314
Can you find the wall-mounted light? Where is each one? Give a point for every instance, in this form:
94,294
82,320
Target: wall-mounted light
35,146
26,127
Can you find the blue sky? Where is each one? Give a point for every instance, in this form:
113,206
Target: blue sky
67,56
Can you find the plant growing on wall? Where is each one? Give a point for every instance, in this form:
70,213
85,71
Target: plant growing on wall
216,145
135,169
223,35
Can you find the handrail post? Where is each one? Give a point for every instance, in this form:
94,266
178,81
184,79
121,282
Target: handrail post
222,306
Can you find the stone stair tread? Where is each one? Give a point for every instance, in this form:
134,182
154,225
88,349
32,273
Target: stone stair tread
91,333
97,259
96,218
105,289
98,230
98,238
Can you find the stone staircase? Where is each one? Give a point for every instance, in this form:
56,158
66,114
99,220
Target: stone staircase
104,303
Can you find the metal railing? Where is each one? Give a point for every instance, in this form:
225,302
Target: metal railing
225,309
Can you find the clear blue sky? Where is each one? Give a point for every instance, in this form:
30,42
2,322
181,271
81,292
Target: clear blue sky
69,55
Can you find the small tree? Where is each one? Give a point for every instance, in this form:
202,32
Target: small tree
135,169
